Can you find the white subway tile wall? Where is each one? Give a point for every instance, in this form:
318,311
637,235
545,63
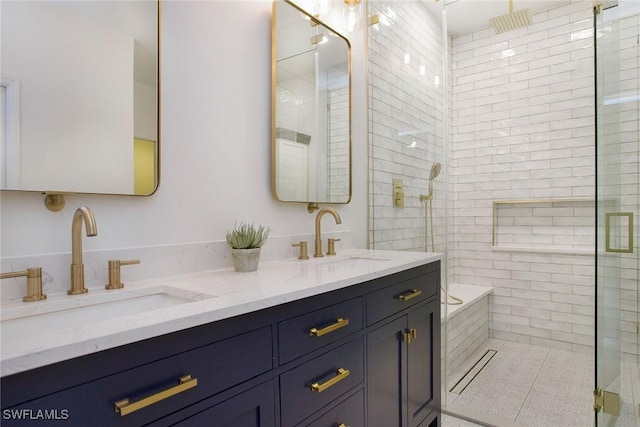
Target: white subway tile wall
466,332
406,113
523,128
338,150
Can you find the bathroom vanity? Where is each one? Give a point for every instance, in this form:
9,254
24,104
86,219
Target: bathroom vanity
352,340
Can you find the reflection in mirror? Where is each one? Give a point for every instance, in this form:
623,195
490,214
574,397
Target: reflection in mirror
311,135
79,96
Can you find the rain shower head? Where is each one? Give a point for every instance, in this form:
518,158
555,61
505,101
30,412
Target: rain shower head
511,21
435,171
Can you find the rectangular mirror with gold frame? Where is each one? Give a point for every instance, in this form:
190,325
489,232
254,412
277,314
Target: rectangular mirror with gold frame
79,96
311,109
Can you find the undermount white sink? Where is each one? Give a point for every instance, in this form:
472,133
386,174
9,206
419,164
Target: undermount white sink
77,311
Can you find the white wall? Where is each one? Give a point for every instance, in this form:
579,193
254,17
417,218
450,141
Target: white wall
215,149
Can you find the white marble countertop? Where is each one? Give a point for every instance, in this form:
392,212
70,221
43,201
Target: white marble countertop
214,295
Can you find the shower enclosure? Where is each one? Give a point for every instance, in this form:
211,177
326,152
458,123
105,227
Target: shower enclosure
617,59
537,133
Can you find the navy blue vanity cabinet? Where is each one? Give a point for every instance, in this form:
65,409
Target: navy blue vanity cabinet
315,384
423,362
403,356
311,331
155,389
252,408
349,412
365,355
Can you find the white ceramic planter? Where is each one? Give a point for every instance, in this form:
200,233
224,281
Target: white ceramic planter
245,260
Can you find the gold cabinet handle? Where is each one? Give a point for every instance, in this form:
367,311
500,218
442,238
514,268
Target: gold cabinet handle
409,294
342,374
340,323
124,407
342,425
409,336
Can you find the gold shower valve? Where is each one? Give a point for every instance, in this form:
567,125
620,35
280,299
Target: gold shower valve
398,193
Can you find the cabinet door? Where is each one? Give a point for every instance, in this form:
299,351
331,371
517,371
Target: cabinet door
423,381
253,408
348,413
386,373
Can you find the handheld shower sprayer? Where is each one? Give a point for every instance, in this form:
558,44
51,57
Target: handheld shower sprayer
435,171
428,226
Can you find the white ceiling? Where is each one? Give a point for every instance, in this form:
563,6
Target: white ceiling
465,16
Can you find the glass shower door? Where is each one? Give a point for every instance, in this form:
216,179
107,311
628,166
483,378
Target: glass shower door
617,134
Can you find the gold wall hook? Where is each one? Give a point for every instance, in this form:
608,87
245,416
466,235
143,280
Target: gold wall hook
54,202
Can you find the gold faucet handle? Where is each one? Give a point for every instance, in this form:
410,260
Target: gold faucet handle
114,272
34,283
304,253
331,250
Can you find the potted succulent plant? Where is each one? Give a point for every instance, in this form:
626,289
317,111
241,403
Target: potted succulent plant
245,241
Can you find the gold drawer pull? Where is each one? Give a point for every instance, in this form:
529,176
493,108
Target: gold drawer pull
342,425
125,408
410,294
340,323
342,374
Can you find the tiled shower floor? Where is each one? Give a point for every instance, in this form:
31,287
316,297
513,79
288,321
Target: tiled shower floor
530,386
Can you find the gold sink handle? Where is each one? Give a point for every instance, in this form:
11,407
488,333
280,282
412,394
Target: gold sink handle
34,283
114,272
332,246
304,254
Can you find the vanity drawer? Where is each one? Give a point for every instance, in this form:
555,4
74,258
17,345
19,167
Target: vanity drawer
349,413
314,330
394,298
213,368
314,384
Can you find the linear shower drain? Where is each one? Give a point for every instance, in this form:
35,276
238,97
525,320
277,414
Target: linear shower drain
472,373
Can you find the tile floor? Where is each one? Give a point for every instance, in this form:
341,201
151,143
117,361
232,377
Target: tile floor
629,395
530,386
449,421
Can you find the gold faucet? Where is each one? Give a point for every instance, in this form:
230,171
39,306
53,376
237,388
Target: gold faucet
332,211
77,267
